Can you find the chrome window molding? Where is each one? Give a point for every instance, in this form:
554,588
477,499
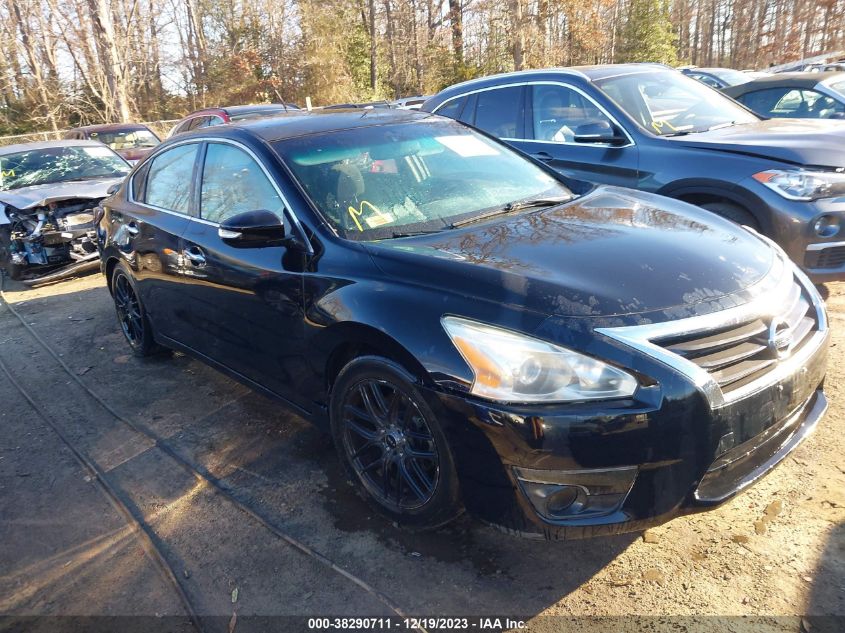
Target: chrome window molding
548,82
769,293
216,139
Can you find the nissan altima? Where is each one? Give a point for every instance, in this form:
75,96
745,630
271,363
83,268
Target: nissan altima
474,335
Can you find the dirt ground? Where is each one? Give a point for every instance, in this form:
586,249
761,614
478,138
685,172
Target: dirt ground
775,553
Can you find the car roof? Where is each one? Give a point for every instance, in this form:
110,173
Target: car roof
303,123
586,73
712,69
110,127
28,147
786,80
239,109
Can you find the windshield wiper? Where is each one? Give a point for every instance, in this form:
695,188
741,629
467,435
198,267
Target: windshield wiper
413,233
514,206
718,126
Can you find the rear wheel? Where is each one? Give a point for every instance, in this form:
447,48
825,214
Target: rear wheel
732,212
131,315
392,445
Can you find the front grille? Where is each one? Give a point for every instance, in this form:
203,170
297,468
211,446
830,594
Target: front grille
742,353
833,257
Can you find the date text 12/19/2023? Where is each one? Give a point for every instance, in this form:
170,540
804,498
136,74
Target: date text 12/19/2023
417,623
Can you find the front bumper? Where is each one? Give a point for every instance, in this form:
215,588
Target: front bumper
791,224
679,454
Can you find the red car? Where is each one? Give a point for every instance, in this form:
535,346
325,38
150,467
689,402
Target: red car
218,116
132,141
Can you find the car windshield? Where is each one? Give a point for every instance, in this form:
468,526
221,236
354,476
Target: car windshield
59,164
731,77
393,180
125,139
668,103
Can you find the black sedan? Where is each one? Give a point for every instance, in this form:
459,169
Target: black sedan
473,334
794,95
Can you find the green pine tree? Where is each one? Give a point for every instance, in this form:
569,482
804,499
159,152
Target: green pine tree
647,34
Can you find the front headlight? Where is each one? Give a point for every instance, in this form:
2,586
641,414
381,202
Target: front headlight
803,185
512,367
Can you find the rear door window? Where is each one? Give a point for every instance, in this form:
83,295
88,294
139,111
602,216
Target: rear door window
170,178
501,112
452,109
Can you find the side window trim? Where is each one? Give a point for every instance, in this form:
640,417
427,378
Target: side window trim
564,84
196,182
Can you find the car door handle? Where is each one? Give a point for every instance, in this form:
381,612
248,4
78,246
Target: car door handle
132,228
543,156
194,255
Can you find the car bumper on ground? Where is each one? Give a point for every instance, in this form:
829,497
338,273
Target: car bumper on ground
590,470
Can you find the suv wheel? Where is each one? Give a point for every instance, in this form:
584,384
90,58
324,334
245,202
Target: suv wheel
131,314
732,212
391,444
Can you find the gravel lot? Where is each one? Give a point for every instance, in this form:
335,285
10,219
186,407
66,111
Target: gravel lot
777,551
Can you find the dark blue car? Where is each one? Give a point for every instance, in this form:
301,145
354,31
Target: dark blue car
650,127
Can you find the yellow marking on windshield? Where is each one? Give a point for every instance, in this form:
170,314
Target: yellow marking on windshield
659,124
378,217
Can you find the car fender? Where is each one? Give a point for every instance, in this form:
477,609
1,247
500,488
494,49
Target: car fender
700,191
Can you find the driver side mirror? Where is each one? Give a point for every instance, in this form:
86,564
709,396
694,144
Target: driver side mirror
113,189
253,229
599,132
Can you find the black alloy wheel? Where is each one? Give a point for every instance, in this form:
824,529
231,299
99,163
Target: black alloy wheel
128,310
130,314
389,445
392,445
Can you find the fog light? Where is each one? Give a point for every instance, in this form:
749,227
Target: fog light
576,494
565,501
826,226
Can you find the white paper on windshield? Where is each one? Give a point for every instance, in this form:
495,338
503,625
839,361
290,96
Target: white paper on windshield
467,146
98,152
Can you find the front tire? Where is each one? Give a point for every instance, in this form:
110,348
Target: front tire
392,445
131,314
732,212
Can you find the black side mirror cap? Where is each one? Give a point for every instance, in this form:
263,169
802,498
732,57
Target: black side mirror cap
599,132
253,229
113,189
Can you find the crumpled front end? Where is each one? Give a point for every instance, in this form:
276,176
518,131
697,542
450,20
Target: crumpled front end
41,238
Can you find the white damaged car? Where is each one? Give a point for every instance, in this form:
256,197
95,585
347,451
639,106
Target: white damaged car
48,193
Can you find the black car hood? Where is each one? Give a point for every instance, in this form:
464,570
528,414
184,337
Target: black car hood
612,252
798,141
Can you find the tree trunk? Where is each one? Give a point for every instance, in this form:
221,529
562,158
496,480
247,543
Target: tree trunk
110,58
456,21
373,49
